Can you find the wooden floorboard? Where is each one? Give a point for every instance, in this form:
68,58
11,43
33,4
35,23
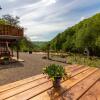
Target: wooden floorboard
84,84
33,78
21,82
23,87
65,85
93,93
79,89
36,90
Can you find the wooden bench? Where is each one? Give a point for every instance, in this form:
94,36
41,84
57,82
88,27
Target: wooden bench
84,84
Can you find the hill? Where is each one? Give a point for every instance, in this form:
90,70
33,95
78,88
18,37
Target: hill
85,34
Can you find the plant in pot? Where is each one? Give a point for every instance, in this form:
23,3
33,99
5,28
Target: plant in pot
5,60
56,73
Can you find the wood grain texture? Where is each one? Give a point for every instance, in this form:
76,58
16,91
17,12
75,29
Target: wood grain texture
79,89
93,93
84,84
64,86
33,78
36,90
19,83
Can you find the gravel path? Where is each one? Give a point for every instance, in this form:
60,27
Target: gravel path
32,65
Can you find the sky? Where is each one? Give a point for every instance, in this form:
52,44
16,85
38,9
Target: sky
44,19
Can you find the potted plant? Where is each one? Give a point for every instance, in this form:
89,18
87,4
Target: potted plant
5,60
56,73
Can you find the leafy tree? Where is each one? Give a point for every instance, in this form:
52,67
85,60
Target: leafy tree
11,20
83,35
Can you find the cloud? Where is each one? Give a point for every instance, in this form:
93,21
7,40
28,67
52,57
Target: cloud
82,18
49,2
43,19
11,0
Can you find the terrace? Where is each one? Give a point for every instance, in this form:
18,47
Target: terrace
83,84
9,35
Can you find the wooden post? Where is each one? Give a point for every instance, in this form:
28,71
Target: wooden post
48,51
12,52
17,51
17,54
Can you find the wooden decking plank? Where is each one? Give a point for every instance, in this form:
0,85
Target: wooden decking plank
23,88
32,84
65,85
75,72
20,82
93,93
30,79
79,89
41,88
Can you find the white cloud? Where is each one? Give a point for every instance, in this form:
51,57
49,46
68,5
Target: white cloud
49,2
11,0
42,18
82,18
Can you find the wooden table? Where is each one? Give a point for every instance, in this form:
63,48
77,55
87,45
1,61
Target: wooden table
84,84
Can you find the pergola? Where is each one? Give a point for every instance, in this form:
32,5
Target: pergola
9,35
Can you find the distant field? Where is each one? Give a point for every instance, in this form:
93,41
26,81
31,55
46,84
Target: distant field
41,43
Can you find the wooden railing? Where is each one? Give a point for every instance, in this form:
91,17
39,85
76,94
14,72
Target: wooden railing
10,30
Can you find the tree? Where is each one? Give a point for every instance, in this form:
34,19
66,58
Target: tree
11,20
85,34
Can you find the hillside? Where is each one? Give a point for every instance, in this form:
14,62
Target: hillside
85,34
39,43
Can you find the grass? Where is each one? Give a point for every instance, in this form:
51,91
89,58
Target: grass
81,59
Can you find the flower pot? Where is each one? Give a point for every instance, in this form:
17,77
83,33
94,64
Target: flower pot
56,82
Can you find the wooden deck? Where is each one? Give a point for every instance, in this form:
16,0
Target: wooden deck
84,84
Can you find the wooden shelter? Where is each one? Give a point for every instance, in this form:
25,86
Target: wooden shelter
9,35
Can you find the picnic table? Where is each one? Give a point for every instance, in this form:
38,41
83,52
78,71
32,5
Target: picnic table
84,84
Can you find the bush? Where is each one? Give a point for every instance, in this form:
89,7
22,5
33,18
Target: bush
55,71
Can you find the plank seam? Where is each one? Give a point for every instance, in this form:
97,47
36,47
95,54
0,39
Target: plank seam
77,83
62,82
62,92
41,84
88,89
23,84
33,81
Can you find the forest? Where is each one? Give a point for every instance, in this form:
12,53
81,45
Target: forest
84,35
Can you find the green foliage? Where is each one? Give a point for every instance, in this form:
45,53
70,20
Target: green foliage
2,21
26,45
54,71
40,46
10,19
85,34
83,60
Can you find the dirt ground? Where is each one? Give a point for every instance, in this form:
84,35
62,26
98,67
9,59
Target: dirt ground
32,65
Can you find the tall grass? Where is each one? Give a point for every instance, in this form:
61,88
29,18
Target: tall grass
84,60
